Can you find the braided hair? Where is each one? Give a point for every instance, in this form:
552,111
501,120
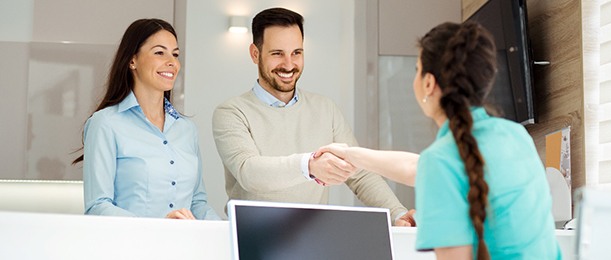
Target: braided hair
462,57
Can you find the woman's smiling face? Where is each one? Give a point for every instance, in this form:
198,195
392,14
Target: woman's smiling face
156,64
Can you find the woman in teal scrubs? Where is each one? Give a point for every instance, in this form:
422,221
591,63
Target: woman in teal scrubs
481,191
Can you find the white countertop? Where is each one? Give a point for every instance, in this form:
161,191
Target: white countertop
57,236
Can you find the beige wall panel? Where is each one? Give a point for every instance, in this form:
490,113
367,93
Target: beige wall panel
402,22
93,21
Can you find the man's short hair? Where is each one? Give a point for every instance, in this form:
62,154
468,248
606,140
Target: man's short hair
273,17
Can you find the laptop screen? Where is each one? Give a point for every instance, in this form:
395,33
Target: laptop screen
271,230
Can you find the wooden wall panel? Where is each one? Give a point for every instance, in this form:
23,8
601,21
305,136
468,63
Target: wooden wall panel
556,35
470,6
555,30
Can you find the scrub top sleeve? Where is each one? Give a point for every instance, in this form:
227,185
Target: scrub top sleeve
442,210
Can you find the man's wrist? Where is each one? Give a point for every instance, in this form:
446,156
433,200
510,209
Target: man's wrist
305,166
401,213
305,169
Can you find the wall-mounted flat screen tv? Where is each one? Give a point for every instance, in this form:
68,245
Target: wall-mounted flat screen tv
512,92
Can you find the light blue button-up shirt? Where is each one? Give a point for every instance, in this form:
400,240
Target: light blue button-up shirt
269,99
131,168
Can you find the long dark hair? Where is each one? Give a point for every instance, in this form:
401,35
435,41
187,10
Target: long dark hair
120,78
273,17
462,58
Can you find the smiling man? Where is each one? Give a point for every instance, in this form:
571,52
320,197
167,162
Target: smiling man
266,137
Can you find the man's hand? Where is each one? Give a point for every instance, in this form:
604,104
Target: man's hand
407,220
180,214
330,169
338,149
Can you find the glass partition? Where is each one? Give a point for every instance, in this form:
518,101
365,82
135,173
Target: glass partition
402,125
56,56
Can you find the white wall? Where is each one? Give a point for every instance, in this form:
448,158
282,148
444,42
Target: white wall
16,20
217,66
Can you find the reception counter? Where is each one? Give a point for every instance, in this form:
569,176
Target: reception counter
57,236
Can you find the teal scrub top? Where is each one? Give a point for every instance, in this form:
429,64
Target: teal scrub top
519,222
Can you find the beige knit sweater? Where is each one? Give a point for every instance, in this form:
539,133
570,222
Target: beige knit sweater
261,148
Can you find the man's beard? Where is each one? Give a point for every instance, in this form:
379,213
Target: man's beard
271,81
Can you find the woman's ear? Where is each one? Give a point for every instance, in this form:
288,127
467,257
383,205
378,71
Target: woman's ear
132,63
429,84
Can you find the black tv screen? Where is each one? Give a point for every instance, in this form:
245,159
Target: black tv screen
512,93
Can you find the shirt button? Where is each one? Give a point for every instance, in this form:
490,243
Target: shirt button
171,161
171,205
173,183
165,142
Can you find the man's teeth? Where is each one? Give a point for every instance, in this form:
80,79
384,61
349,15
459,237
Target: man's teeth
167,74
285,75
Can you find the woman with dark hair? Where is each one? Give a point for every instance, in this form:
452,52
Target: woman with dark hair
141,157
481,191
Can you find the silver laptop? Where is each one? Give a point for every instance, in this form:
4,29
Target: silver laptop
272,230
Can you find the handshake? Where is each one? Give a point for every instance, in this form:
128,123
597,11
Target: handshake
333,164
329,165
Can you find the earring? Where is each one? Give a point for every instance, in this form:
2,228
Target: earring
132,66
425,99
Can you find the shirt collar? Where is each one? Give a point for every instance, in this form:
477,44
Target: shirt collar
170,109
130,101
478,113
269,99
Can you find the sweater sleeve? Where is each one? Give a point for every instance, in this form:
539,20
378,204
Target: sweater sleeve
240,155
369,188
